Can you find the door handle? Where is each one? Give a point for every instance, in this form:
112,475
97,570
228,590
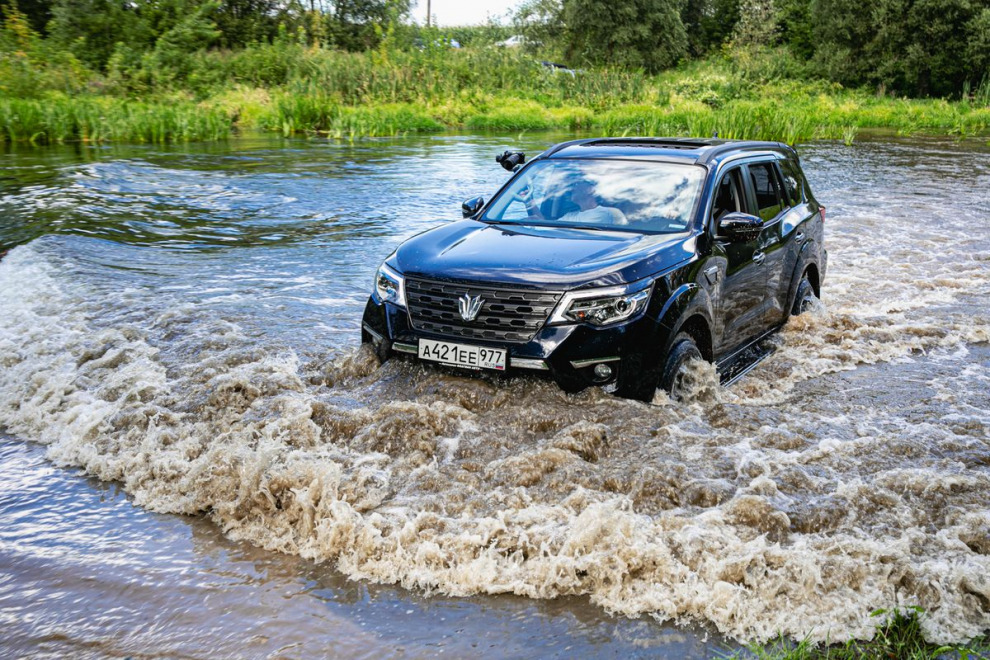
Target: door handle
799,237
759,258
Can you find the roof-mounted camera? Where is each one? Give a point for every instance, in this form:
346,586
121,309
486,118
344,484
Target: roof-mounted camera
511,160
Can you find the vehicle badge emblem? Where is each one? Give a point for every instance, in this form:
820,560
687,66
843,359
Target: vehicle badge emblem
469,306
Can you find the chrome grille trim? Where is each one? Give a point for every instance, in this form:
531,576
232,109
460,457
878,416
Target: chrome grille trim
509,314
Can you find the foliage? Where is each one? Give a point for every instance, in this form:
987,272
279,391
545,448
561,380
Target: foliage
644,34
30,65
709,24
242,22
360,24
87,119
188,34
757,24
37,12
477,36
90,29
898,637
414,80
541,24
917,47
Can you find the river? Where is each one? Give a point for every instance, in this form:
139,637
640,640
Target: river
197,460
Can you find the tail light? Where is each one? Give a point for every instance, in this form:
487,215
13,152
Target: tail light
821,209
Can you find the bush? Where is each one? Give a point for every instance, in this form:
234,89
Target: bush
30,66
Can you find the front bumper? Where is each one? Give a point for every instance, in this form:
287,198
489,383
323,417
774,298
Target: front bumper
566,353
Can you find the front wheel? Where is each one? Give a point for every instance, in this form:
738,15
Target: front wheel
677,377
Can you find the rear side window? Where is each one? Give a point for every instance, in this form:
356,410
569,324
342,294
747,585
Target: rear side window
766,186
792,182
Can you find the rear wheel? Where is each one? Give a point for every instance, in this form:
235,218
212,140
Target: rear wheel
676,378
805,299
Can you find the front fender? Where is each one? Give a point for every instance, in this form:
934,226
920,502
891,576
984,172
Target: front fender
687,301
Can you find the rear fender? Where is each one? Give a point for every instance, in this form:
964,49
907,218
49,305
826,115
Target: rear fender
807,257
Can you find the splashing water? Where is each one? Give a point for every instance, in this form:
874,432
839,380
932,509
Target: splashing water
214,370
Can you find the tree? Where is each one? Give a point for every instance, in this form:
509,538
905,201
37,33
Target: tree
918,47
189,33
37,12
978,48
541,23
90,29
709,23
241,22
757,24
360,24
638,33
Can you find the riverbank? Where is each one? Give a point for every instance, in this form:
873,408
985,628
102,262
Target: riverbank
345,96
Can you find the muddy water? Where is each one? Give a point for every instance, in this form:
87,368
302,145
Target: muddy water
182,324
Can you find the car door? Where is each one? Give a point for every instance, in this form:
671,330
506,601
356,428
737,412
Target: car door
770,204
741,288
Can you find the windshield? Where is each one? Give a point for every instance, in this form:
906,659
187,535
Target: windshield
626,195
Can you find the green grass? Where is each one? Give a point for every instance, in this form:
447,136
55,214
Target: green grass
295,89
59,119
898,637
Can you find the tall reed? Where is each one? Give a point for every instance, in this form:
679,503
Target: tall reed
60,119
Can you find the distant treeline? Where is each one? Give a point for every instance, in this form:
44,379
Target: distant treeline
913,47
919,48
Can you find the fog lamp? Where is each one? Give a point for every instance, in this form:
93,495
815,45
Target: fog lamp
603,372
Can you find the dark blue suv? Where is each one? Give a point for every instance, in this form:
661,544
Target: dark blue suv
610,262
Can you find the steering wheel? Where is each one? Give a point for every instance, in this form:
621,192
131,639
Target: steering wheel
525,197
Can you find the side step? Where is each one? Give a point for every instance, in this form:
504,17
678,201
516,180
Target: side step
744,362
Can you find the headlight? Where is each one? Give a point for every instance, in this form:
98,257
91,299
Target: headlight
390,287
603,306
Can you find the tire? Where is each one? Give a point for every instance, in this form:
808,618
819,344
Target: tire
805,298
382,349
638,379
682,352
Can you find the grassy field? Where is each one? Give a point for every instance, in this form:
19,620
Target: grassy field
296,90
898,637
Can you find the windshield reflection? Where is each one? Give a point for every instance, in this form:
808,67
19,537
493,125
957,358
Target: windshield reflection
602,194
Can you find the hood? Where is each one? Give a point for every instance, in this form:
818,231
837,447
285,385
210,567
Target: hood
550,257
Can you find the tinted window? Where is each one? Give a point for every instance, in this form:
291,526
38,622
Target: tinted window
767,188
728,196
792,182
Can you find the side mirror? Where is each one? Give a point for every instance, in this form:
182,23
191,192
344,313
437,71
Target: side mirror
511,160
739,227
472,206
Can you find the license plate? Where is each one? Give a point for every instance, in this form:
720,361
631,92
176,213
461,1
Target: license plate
462,355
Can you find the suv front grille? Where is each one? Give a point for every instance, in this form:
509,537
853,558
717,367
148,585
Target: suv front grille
507,315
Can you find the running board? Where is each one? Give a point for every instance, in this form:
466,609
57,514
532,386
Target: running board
741,362
734,374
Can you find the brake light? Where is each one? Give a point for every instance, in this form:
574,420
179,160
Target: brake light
821,209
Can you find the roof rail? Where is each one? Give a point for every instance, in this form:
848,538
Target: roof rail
669,143
721,147
563,145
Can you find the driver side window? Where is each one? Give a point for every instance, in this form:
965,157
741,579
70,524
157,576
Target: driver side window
728,196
